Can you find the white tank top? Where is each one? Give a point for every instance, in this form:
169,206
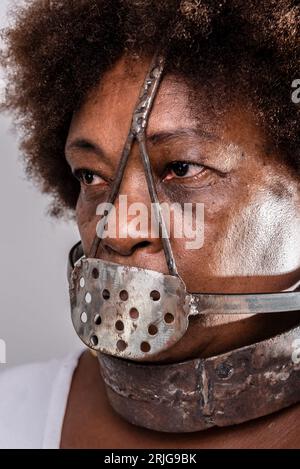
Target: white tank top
33,400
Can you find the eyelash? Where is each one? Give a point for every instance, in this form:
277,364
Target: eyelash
182,165
81,173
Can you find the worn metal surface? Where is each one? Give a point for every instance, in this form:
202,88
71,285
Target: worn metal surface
254,303
224,390
127,311
96,318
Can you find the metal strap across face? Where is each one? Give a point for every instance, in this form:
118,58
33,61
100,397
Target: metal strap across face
136,313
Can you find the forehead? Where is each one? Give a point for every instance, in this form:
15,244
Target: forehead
108,108
105,114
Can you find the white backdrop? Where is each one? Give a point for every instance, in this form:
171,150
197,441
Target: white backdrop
34,305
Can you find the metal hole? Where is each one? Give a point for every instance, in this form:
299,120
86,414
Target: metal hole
155,295
88,298
119,326
95,273
133,313
83,317
121,345
152,329
82,282
106,294
169,318
97,320
94,340
124,295
145,347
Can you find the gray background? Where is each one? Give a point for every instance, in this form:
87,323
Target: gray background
34,305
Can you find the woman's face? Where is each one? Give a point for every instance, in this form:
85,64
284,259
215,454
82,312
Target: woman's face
250,198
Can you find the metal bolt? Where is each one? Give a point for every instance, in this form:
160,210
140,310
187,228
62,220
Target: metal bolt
224,370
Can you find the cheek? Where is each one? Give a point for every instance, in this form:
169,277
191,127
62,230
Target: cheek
262,239
251,245
87,222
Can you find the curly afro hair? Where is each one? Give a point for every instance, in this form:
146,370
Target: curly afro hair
58,50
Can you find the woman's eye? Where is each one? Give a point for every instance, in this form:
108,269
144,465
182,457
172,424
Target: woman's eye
181,169
89,178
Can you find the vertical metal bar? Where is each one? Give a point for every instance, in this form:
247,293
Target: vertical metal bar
137,131
114,191
157,208
138,125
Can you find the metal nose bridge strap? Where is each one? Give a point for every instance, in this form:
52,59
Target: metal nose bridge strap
137,132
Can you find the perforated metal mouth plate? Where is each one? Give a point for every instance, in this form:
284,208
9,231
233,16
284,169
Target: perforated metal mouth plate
126,311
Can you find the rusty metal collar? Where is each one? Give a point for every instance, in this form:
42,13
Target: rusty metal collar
228,389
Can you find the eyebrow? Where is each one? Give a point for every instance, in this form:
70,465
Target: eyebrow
155,138
86,145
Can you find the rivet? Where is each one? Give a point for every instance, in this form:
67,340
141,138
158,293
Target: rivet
224,370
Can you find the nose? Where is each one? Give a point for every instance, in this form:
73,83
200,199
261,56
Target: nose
130,224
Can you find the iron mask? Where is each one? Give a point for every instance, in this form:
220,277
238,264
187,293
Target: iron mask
135,313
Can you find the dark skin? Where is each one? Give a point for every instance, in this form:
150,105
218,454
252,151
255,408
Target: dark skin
252,217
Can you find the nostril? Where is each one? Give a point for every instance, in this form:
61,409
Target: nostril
108,249
142,244
118,249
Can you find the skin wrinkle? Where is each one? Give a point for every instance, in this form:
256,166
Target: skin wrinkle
243,250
